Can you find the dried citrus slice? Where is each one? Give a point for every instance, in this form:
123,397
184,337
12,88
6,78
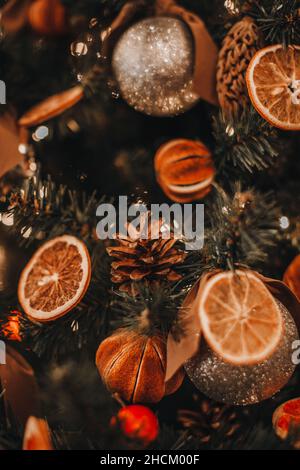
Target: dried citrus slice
36,435
52,107
55,279
273,81
240,319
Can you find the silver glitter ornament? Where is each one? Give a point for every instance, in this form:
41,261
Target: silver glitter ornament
153,64
243,385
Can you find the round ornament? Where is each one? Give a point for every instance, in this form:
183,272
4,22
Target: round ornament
134,366
184,170
153,63
247,384
286,421
137,422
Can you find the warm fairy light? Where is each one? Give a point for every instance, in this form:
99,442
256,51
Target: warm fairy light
23,149
42,192
26,232
8,219
93,23
230,131
73,125
33,166
231,7
225,210
79,49
41,133
284,222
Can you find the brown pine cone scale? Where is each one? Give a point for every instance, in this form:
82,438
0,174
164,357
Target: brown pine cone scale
144,259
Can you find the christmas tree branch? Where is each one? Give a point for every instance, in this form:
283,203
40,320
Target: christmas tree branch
41,210
245,143
278,21
242,228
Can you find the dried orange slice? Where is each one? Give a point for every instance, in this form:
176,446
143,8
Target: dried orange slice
273,81
52,107
240,319
55,279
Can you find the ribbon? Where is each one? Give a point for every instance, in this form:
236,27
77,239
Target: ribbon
180,350
206,51
20,389
9,140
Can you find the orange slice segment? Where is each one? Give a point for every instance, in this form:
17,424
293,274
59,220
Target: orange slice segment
55,279
273,81
240,319
36,435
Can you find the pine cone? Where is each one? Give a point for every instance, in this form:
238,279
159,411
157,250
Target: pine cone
211,419
239,46
144,259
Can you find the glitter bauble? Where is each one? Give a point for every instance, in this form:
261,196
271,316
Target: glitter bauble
153,63
243,385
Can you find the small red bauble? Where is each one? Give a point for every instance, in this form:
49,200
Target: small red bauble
47,17
286,421
137,422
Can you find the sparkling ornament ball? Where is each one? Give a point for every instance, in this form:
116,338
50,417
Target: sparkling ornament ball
153,63
243,385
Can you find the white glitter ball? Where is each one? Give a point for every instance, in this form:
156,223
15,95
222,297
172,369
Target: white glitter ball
243,385
153,63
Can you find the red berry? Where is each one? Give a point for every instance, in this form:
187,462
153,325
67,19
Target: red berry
137,422
286,421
